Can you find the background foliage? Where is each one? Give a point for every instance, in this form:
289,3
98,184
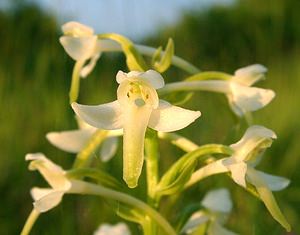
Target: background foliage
35,76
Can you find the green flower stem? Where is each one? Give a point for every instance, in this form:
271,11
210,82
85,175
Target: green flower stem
75,84
30,222
176,61
84,157
212,85
179,141
92,189
152,155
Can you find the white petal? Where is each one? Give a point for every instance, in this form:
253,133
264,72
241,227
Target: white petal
121,76
252,139
194,221
87,69
81,48
267,197
275,183
168,118
48,201
38,193
249,98
249,75
218,200
52,173
77,29
108,148
216,229
238,171
106,116
154,78
135,124
107,229
70,141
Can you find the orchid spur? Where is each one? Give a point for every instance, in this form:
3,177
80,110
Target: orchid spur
242,97
247,154
137,106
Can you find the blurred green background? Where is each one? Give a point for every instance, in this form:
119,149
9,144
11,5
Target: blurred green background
35,77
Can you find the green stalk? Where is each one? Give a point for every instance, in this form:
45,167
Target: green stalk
179,141
92,189
30,222
75,83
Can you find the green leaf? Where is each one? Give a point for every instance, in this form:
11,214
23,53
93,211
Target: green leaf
129,213
162,63
178,98
210,75
134,59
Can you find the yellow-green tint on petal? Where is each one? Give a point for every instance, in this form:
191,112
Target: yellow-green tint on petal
135,124
267,197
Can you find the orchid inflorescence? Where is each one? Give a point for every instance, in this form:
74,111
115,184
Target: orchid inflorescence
140,117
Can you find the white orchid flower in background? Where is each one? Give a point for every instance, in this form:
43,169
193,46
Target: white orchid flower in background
218,205
80,42
247,154
137,106
241,96
74,141
118,229
48,198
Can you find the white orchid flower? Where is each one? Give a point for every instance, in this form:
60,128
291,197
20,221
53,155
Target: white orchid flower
74,141
247,154
241,96
118,229
137,106
48,198
80,42
218,205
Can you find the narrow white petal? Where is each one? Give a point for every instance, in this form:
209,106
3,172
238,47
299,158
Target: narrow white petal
87,69
216,228
118,229
108,148
106,116
77,29
81,48
218,200
135,124
49,201
267,197
249,75
70,141
275,183
250,98
167,118
213,168
37,193
52,173
194,222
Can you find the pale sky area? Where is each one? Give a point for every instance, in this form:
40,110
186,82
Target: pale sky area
132,18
